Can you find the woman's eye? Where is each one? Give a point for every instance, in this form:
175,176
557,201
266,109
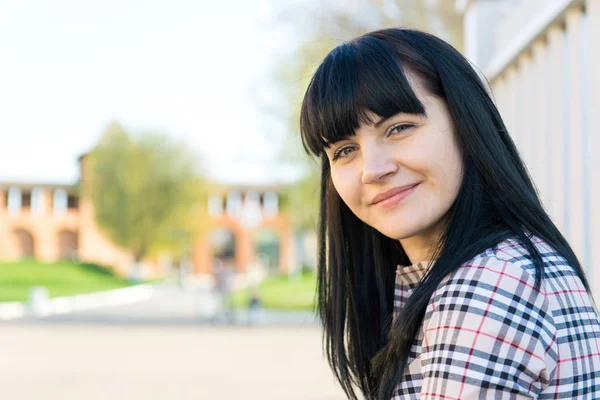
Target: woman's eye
343,152
400,128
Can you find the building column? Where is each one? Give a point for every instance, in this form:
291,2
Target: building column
557,111
288,251
48,196
593,141
498,96
244,249
45,243
6,229
202,256
480,27
511,93
576,173
540,112
522,115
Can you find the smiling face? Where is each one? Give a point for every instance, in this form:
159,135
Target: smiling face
401,175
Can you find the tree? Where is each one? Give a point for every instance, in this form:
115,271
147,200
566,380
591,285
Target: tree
146,191
321,33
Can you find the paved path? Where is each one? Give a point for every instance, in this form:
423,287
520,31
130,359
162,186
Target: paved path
172,305
163,348
73,361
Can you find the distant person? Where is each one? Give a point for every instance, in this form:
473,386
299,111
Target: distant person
254,307
135,274
441,274
224,275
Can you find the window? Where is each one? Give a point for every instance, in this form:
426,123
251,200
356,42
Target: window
271,204
14,201
234,204
25,199
60,202
72,202
37,201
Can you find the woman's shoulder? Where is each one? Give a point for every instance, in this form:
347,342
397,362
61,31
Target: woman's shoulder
513,255
498,284
515,251
507,267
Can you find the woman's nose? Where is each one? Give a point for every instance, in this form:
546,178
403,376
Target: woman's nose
377,166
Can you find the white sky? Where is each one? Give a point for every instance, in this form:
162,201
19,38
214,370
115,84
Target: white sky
195,69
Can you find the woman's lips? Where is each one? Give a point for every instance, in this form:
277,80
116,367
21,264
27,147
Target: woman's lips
396,198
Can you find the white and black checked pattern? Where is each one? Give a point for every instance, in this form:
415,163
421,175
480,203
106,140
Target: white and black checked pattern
488,334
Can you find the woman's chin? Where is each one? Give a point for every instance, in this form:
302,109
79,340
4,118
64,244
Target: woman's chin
396,234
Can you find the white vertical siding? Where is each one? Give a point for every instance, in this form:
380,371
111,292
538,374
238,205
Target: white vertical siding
539,116
519,113
549,96
593,139
511,107
574,134
557,114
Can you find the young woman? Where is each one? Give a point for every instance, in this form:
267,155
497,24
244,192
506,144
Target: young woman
441,275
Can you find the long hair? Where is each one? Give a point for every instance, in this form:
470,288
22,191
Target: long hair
496,199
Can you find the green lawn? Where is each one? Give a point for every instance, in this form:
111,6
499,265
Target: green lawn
281,293
61,278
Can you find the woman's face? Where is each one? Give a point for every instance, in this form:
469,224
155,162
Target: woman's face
401,175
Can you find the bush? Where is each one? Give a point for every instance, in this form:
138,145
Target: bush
282,293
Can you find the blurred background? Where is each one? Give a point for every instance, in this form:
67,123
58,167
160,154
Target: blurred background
158,212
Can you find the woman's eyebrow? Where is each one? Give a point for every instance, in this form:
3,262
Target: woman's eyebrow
328,143
382,121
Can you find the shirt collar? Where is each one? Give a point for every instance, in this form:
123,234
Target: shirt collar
411,274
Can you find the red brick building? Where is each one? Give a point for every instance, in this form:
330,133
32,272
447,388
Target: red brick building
50,222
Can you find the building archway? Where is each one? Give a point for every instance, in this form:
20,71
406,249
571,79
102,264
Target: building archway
223,260
25,244
223,244
67,245
267,244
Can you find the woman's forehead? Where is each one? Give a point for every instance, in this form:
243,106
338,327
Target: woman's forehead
350,90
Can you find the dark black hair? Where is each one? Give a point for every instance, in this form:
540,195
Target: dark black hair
497,198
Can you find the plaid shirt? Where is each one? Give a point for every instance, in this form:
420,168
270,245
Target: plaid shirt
488,334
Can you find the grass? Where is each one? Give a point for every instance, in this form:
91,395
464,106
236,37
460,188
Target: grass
62,278
281,293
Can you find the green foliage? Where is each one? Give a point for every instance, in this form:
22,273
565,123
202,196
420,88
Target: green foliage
303,200
281,293
63,278
146,192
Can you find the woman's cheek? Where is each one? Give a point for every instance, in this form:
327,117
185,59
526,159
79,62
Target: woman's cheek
342,184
